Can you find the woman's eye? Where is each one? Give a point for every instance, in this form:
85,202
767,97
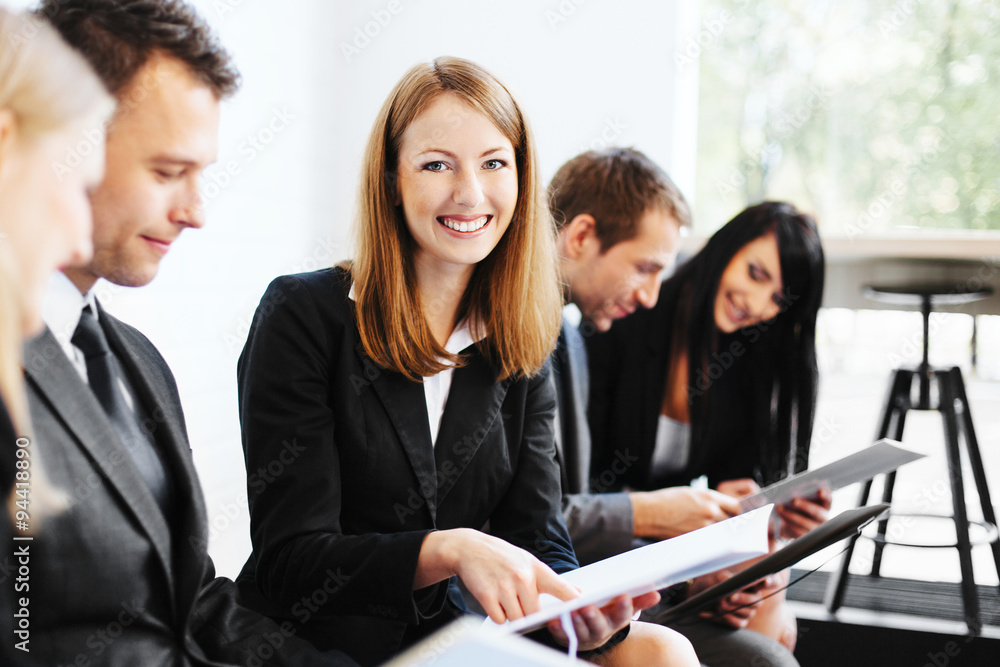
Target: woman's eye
167,175
755,273
434,166
495,164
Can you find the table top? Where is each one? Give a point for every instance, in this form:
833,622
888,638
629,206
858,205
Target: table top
915,294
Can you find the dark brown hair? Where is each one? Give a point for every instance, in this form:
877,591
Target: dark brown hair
118,37
616,186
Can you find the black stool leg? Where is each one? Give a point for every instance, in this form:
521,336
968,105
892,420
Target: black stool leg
890,482
976,461
883,524
947,391
897,401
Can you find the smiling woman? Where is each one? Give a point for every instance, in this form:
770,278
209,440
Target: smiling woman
719,378
415,382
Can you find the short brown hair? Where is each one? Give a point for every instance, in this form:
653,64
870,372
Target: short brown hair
118,37
513,297
616,186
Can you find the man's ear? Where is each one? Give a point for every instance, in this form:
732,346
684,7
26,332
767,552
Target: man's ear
578,235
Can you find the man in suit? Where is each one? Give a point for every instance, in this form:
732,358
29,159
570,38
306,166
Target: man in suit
618,217
122,575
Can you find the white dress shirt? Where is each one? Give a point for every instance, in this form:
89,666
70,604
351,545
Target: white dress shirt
61,312
437,387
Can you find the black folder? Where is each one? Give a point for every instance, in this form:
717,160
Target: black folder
843,525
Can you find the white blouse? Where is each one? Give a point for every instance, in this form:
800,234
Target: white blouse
437,387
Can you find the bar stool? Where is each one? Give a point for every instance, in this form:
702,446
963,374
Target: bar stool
953,405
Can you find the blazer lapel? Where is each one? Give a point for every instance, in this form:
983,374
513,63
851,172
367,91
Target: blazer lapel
406,407
74,403
160,401
468,418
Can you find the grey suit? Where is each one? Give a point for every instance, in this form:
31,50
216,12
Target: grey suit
600,524
114,581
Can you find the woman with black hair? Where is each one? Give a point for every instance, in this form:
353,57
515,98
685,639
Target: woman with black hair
719,378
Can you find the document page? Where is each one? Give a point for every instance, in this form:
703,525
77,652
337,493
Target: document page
882,457
658,565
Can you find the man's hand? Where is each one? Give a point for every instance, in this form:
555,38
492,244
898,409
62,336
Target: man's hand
667,513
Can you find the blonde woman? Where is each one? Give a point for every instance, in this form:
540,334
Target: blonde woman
406,397
50,102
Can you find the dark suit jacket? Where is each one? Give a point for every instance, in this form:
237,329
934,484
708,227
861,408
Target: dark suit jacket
600,524
111,580
628,376
344,483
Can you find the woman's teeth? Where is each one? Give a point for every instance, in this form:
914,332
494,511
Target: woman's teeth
470,226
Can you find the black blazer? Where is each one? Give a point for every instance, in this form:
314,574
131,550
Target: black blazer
344,483
112,582
628,376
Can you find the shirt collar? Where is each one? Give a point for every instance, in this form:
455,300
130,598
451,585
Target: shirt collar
63,305
572,314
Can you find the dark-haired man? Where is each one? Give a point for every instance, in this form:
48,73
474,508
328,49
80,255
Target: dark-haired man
618,216
122,575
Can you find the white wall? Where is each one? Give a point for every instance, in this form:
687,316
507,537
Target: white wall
588,72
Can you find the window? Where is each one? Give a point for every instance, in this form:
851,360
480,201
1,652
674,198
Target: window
879,117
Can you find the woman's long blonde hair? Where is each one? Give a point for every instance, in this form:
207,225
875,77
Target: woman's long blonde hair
48,88
514,293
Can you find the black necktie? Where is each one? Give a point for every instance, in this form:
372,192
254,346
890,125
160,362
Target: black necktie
105,379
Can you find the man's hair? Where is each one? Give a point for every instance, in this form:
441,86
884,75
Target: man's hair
118,37
616,186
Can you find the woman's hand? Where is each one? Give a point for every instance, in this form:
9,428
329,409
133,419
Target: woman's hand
595,626
801,515
737,608
504,579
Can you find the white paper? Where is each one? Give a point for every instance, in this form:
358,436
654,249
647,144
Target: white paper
882,457
466,642
657,566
